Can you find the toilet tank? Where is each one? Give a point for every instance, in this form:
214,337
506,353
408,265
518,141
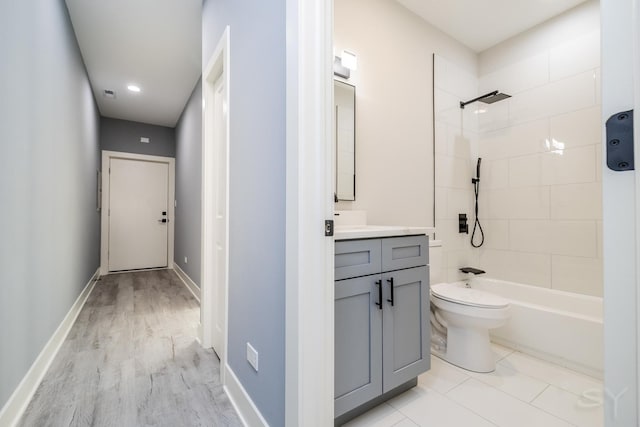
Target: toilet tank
436,262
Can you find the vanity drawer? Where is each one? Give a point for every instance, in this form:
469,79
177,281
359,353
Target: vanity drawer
405,252
354,258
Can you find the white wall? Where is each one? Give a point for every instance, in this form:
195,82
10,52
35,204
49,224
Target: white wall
541,196
394,110
49,225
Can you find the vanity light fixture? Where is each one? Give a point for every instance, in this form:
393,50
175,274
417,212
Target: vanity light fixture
343,65
349,60
134,88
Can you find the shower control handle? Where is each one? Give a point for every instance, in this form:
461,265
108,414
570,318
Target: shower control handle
390,281
379,285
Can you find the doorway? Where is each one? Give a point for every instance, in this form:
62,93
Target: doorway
215,201
137,213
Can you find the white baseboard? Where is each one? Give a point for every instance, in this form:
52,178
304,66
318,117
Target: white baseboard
19,400
190,284
244,406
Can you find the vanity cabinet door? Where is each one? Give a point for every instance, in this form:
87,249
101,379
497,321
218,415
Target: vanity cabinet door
406,326
358,342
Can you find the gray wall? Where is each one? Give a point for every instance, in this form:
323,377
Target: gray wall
124,135
49,226
188,186
257,191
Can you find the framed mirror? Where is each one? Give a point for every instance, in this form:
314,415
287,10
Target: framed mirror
344,96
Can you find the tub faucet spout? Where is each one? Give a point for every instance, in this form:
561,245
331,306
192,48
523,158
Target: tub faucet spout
471,270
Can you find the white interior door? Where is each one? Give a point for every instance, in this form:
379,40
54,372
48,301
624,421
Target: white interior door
138,214
220,209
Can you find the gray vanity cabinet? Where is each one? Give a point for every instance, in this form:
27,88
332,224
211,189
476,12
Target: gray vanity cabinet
382,335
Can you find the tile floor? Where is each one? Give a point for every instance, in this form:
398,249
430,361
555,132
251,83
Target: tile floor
523,391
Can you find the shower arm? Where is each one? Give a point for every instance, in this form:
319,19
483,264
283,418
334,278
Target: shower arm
494,93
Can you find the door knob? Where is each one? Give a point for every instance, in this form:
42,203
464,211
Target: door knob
163,220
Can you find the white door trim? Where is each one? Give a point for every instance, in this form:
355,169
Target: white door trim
309,344
217,66
104,213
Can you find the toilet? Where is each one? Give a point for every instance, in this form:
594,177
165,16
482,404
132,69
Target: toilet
461,319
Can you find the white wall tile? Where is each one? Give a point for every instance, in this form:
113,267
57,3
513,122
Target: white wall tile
520,76
576,56
576,201
528,138
527,203
529,235
494,174
495,204
454,79
532,269
582,127
570,166
496,234
525,171
574,238
570,94
452,172
459,143
577,274
458,259
459,201
447,231
492,116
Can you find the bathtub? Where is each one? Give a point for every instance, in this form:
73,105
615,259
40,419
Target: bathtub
560,327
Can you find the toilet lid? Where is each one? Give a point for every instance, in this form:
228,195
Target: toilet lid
468,296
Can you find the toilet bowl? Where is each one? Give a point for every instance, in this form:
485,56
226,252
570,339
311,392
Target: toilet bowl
467,315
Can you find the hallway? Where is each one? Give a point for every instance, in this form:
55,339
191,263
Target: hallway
132,359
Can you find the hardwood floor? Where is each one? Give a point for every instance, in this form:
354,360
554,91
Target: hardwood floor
131,359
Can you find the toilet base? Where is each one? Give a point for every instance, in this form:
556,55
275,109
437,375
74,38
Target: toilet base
468,348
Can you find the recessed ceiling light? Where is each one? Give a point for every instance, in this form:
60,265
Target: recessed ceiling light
133,88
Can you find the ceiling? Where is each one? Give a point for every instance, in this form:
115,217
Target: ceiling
154,44
480,24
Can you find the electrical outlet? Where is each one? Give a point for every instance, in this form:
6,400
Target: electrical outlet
252,356
185,260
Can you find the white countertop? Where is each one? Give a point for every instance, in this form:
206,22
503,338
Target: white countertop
349,232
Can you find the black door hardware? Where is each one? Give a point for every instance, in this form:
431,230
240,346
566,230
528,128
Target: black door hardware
620,141
379,285
390,281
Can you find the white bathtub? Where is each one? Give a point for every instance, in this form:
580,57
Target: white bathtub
561,327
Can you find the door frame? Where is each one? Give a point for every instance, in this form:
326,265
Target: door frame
621,217
309,274
104,211
217,67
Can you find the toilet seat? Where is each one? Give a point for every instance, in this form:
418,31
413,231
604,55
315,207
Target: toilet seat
468,296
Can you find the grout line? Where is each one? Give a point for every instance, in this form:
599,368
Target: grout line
539,394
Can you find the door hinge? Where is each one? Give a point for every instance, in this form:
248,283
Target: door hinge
328,227
620,141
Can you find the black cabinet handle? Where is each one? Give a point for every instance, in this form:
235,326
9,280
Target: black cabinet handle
379,285
390,281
